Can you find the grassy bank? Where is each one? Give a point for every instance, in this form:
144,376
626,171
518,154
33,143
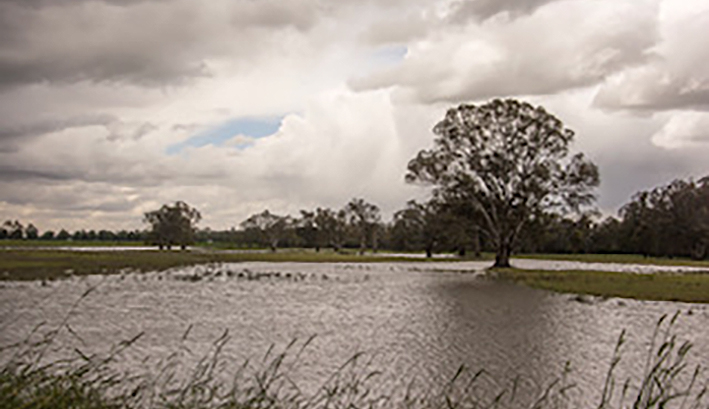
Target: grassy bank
685,287
36,264
617,258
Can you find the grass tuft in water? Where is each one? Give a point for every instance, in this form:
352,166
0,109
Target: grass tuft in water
668,380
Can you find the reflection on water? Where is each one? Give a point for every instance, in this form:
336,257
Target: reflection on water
418,321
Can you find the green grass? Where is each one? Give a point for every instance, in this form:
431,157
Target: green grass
37,264
68,243
47,264
617,258
685,287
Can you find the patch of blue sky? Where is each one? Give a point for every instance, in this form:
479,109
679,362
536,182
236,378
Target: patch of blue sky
389,55
250,127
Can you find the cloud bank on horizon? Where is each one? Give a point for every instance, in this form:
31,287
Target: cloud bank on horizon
111,108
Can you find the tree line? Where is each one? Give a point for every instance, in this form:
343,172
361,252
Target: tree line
16,230
502,179
668,221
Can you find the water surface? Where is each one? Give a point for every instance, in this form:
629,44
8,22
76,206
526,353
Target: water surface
417,321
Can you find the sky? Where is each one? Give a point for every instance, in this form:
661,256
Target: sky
111,108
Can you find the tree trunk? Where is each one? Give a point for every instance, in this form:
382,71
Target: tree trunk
429,251
476,241
502,258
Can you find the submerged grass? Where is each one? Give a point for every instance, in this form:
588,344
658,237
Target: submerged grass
685,287
669,379
48,264
37,264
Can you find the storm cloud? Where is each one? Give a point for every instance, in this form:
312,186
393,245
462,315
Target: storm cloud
95,96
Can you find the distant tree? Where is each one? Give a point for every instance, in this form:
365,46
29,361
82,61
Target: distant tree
47,235
306,228
172,225
271,228
106,235
429,226
407,231
364,218
457,224
331,227
640,231
509,160
15,229
606,236
122,235
31,232
63,235
671,220
79,235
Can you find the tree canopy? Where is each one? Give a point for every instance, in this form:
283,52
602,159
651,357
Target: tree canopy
365,218
269,227
510,162
671,220
173,225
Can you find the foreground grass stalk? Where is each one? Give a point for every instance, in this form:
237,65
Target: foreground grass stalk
668,380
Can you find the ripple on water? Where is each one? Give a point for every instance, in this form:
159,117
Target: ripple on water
416,321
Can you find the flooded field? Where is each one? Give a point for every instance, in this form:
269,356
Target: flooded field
416,322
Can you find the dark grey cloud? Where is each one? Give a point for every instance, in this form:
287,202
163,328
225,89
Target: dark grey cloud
148,43
467,10
13,136
12,173
120,131
66,196
71,43
52,125
55,3
269,14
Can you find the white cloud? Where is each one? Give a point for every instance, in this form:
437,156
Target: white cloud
688,130
677,76
565,45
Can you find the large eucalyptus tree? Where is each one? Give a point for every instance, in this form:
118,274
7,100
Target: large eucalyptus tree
508,160
173,225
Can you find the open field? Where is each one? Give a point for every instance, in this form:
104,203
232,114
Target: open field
68,243
588,258
48,264
51,264
685,287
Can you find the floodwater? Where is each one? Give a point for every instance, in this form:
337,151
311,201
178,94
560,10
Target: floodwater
417,322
